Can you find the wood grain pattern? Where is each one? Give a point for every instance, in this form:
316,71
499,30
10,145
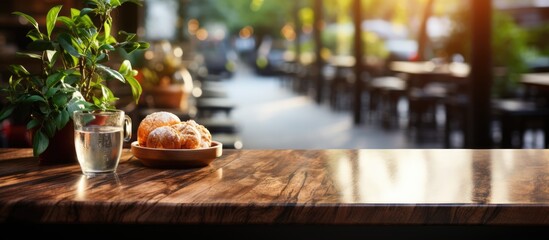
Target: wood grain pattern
380,187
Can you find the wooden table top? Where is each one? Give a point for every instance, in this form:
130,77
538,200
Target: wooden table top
372,187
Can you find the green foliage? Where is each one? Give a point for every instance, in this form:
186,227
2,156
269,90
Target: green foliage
73,51
509,44
266,17
509,48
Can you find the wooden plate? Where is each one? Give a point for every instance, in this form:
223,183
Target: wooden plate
176,158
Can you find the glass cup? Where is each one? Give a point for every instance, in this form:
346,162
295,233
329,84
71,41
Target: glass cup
98,139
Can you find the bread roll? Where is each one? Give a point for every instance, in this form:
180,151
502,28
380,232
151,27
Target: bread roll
189,136
206,136
153,121
164,137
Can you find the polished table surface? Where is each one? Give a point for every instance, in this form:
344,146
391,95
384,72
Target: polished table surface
487,187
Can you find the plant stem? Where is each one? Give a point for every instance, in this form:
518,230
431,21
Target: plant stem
85,89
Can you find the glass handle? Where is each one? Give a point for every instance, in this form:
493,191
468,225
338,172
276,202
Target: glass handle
127,128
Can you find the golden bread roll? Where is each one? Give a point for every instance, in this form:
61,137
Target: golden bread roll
153,121
189,136
164,137
206,136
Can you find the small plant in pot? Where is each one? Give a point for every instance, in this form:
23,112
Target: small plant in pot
73,54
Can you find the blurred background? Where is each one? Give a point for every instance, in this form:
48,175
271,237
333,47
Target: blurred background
316,74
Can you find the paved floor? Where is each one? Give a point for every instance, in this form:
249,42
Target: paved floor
270,116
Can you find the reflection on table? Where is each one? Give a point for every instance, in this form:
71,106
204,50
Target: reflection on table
289,194
289,187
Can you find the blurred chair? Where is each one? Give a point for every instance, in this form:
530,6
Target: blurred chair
516,116
385,93
341,86
423,103
455,122
513,116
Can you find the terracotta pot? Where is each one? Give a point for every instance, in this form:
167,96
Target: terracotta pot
170,96
61,148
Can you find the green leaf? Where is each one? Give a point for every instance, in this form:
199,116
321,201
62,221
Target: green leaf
49,128
37,80
77,102
129,47
41,45
64,119
39,143
81,19
104,92
75,13
115,3
51,18
29,55
35,35
107,29
32,124
44,109
35,98
84,34
110,40
51,55
57,119
6,112
129,36
136,88
67,21
84,21
110,73
68,90
54,79
144,45
60,100
125,68
19,70
85,11
96,101
71,60
61,119
66,43
29,18
106,47
50,91
71,72
102,58
71,79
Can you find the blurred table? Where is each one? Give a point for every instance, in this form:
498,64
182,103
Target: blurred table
280,194
537,87
428,67
428,85
538,80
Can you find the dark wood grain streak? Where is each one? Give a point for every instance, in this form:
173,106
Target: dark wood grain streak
334,187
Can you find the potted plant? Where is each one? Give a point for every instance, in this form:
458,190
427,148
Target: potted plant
73,52
166,81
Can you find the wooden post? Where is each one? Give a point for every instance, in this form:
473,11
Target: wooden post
422,38
297,26
358,50
318,25
479,115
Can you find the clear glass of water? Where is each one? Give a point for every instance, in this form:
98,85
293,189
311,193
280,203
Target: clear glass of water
98,139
